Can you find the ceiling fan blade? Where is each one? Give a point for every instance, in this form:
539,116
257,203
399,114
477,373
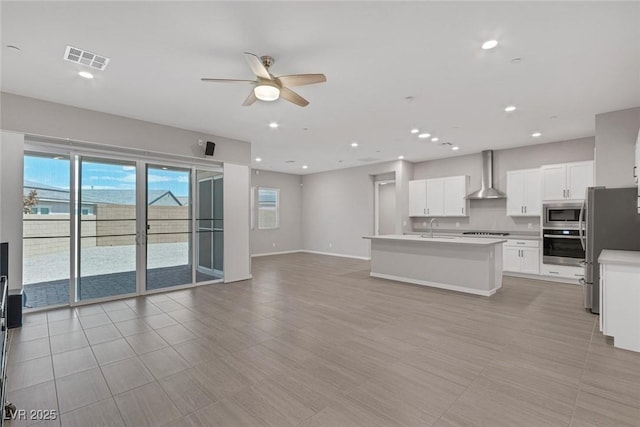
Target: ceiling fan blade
250,99
227,80
256,66
301,79
291,96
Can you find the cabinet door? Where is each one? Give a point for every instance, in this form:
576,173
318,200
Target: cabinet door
510,258
533,193
515,193
435,197
553,182
579,177
418,198
530,260
636,171
455,192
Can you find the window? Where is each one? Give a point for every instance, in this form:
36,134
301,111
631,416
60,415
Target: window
41,210
268,208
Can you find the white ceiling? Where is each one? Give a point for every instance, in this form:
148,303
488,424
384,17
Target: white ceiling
578,59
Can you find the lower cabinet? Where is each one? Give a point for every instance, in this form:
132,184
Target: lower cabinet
620,302
571,273
521,256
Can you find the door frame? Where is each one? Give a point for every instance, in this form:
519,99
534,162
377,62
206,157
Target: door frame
376,204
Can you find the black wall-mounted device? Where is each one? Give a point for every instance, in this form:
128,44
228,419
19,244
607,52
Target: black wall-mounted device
209,148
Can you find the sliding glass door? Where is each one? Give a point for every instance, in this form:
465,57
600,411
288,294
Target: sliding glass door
209,226
168,227
107,228
46,230
99,228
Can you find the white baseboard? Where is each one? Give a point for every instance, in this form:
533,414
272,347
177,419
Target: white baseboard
566,280
338,255
240,279
436,285
276,253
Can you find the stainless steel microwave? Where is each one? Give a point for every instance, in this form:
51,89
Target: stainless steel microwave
562,215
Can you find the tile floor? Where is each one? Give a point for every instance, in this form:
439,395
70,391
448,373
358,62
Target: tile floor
313,341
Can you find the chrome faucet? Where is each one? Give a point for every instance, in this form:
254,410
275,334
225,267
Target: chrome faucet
431,226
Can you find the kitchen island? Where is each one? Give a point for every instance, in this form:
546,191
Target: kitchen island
464,264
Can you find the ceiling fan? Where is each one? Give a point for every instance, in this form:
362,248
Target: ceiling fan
269,87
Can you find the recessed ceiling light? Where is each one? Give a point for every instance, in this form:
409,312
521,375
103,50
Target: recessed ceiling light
414,130
424,135
273,125
489,44
258,159
455,148
510,108
85,74
536,134
400,157
164,168
354,144
435,139
304,166
57,157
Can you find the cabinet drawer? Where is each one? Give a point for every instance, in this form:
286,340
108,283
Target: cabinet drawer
523,243
564,271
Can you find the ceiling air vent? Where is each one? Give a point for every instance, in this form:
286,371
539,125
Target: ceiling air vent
87,58
368,159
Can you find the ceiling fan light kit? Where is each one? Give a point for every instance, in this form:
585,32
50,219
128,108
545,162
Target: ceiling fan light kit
266,91
270,88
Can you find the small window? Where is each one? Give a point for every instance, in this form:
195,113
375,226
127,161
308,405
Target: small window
40,210
268,208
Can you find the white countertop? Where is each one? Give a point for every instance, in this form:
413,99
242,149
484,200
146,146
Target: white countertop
438,239
609,256
510,236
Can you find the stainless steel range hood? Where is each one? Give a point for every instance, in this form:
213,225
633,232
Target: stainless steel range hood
487,191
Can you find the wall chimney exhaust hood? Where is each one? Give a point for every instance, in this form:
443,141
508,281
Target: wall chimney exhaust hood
486,190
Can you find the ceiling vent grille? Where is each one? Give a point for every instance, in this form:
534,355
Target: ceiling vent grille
85,57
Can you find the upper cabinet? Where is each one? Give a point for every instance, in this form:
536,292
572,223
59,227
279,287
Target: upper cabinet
636,168
524,193
439,197
566,181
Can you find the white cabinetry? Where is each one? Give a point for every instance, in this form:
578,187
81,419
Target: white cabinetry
418,197
636,169
620,298
455,196
435,197
521,256
523,193
566,181
439,197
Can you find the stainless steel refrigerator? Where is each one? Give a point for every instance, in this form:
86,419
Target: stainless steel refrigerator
611,222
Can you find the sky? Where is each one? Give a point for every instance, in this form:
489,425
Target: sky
56,173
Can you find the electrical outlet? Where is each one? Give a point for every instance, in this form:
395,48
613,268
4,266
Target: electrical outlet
404,223
457,224
274,244
424,223
200,142
330,245
530,225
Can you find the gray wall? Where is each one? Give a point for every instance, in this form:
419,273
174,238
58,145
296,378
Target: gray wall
11,166
492,214
616,135
289,236
38,117
337,207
